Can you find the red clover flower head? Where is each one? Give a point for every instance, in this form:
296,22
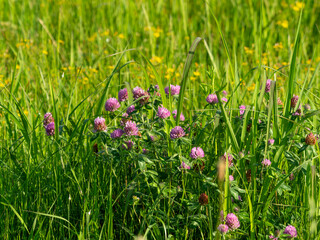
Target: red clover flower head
137,92
310,139
291,231
123,95
212,99
112,105
117,133
130,109
163,112
47,118
50,129
128,145
294,101
232,221
203,199
175,90
271,141
266,162
229,157
268,86
223,228
131,128
242,109
100,124
182,118
177,132
196,153
184,166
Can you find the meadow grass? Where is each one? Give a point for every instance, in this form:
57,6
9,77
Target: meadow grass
69,57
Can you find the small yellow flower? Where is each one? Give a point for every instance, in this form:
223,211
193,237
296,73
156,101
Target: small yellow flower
186,38
193,78
44,52
284,23
93,37
106,33
252,87
60,41
298,6
197,74
156,34
278,46
170,70
121,36
244,64
18,67
156,60
248,50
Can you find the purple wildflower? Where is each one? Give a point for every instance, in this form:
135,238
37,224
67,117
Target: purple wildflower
163,112
232,221
224,92
231,178
224,100
229,157
184,166
294,101
268,86
223,228
123,95
242,109
138,93
175,90
177,132
298,112
47,118
291,177
273,237
196,153
130,109
271,141
125,118
128,145
100,124
144,151
266,162
152,138
291,231
212,99
182,118
307,107
50,129
117,133
221,216
112,105
131,128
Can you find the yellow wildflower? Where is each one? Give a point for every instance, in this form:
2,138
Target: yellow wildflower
248,50
197,74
